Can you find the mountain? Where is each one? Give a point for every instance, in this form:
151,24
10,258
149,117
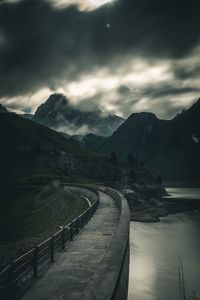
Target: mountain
27,116
170,148
92,141
3,109
31,153
59,114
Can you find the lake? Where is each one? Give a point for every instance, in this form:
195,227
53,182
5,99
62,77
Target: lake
155,251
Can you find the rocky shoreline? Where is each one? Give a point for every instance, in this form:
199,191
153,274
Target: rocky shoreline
148,205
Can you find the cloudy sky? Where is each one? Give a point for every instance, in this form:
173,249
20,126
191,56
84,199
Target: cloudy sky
120,55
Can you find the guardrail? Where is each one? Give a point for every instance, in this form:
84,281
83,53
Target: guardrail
14,278
121,286
112,277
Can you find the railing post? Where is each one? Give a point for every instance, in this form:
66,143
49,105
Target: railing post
63,238
10,281
52,248
35,266
78,224
86,217
71,231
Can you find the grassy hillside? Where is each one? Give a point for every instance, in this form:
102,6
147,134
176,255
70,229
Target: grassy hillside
32,154
31,210
29,215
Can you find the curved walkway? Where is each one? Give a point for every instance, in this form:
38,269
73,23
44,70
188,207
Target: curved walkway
74,269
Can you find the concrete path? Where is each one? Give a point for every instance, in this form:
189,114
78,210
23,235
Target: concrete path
75,267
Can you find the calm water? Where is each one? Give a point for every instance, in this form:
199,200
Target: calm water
184,193
155,251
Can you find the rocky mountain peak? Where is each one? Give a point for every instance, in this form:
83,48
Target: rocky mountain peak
197,104
57,98
3,109
144,117
59,114
54,104
55,101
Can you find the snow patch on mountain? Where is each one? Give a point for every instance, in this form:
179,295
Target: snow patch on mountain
195,139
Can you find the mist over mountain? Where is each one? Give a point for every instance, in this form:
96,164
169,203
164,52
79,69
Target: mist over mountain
168,147
3,109
59,114
27,116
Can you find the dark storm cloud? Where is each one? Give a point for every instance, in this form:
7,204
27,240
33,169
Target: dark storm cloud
124,90
184,73
164,99
159,91
17,107
40,44
36,42
129,56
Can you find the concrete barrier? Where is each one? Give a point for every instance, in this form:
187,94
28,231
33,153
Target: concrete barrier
110,282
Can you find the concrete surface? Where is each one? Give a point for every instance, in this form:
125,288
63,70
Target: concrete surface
75,268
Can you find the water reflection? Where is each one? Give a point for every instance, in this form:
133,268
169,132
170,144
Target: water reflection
184,193
155,249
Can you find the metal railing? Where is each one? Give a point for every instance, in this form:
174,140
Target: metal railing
14,278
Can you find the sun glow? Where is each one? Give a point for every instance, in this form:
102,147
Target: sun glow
81,4
100,2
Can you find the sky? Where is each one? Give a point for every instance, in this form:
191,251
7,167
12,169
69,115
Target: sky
121,56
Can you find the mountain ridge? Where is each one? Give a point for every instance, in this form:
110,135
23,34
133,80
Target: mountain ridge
31,151
167,147
57,113
3,109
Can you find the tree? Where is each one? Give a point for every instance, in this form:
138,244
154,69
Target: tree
113,158
142,164
136,161
130,159
159,179
132,174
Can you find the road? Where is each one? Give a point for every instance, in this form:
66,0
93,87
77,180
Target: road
75,268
